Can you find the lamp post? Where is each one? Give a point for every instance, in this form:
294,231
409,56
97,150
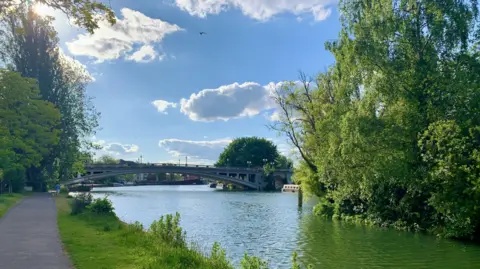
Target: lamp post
249,163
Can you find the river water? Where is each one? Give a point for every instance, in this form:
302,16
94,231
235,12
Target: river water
271,226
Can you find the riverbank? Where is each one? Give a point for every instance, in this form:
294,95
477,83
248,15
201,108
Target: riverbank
7,201
92,239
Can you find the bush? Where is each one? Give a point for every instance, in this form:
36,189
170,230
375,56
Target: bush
64,189
218,256
136,227
252,262
168,230
324,208
101,206
296,265
80,203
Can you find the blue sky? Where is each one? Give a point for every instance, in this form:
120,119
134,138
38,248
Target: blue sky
166,92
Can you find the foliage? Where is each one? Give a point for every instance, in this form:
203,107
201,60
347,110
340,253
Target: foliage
84,13
101,206
252,262
106,159
80,203
168,229
28,127
217,254
248,149
64,190
255,150
389,133
29,45
9,200
295,263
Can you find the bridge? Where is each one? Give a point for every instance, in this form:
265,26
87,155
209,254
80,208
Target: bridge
252,178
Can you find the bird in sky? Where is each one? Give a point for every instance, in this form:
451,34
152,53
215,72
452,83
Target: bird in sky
203,33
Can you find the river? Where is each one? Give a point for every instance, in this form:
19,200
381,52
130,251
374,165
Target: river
271,226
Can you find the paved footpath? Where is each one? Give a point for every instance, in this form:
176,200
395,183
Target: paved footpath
29,236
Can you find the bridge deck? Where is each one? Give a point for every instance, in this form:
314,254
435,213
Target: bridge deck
102,171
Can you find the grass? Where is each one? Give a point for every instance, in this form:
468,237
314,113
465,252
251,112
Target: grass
9,200
96,241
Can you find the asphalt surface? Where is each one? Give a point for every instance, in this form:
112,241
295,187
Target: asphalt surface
29,236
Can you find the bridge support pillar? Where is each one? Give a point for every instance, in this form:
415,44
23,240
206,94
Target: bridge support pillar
288,177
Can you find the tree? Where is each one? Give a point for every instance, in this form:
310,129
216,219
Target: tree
29,45
84,13
388,132
28,125
248,152
106,159
283,162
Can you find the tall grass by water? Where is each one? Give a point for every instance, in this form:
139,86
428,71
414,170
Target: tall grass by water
95,237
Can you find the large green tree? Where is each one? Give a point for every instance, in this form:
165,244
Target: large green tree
30,46
28,126
106,159
389,133
253,152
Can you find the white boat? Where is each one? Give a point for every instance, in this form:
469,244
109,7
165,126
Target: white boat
290,188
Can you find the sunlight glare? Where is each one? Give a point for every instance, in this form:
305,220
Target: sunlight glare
43,10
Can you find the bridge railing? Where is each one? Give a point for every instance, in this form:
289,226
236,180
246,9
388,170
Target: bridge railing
146,165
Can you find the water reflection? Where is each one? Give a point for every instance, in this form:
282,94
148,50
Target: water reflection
334,244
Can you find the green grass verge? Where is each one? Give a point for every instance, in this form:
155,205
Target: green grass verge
102,241
9,200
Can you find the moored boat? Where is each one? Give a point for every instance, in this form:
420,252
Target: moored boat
290,188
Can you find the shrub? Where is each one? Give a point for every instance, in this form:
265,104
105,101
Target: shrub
252,262
168,230
218,256
80,203
296,265
136,227
101,206
64,189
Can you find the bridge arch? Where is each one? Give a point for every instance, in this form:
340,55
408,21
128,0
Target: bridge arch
233,180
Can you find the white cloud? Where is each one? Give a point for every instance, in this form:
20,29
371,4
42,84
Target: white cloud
228,101
113,42
232,101
199,150
144,55
261,10
121,148
115,148
163,105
